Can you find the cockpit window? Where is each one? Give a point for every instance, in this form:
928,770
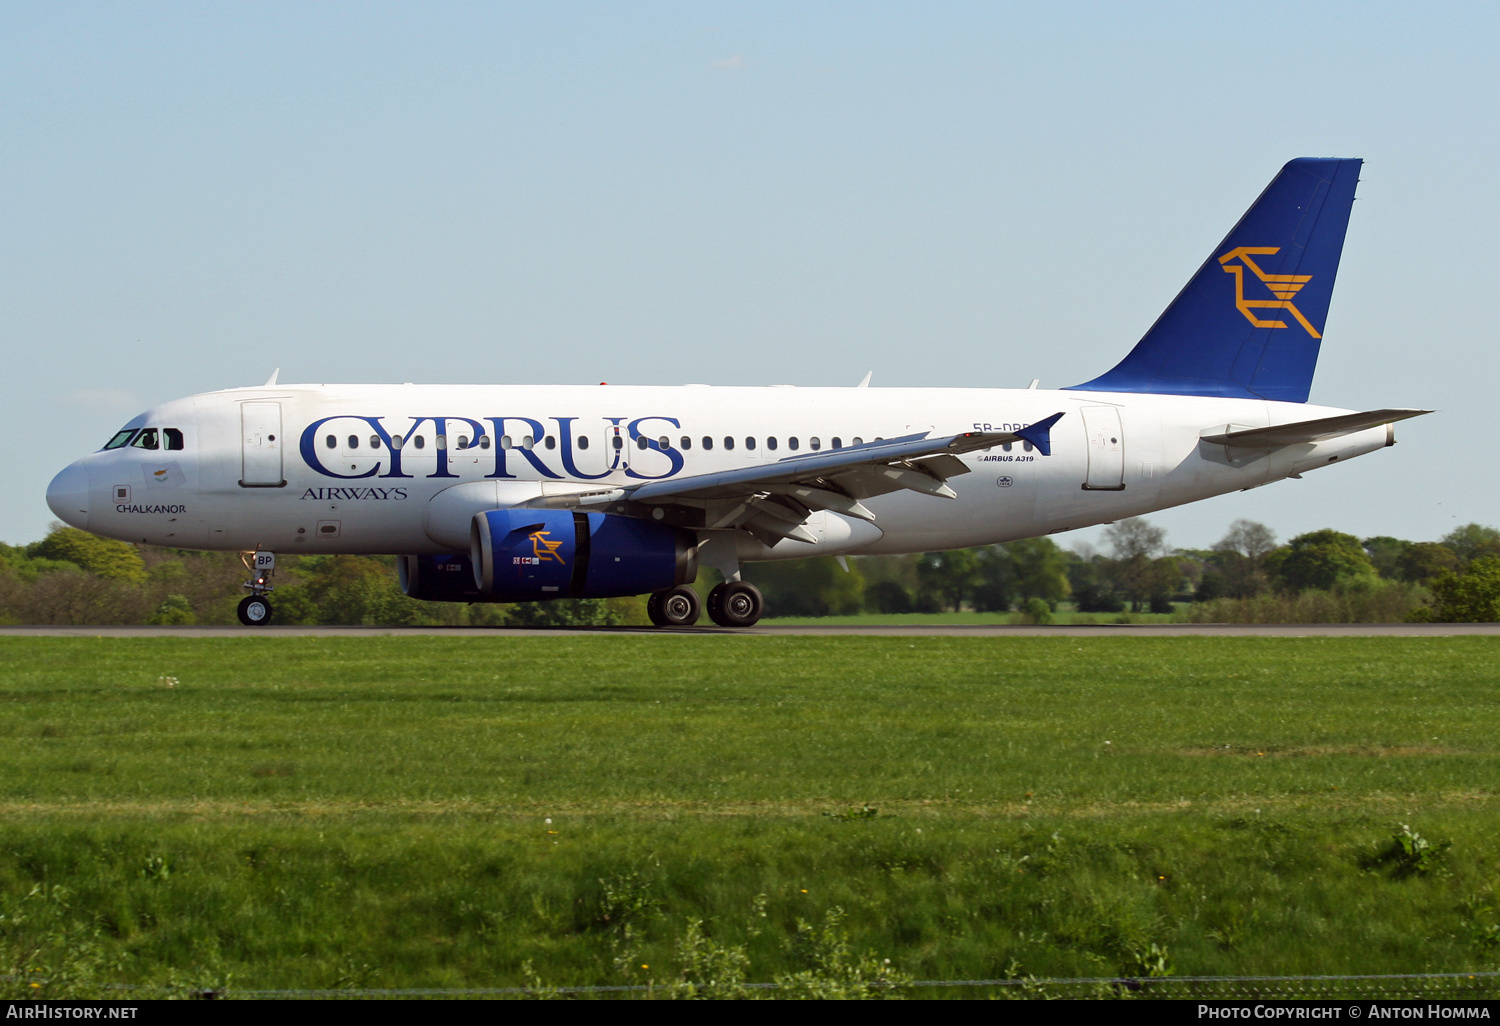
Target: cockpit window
147,438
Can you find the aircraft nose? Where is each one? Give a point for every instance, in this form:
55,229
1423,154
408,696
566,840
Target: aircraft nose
68,495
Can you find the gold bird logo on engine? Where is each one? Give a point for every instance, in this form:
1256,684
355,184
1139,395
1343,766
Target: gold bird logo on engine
544,550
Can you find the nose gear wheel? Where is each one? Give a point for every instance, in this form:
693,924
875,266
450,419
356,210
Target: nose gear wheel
255,611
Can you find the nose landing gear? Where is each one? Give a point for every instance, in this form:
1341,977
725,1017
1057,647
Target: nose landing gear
255,609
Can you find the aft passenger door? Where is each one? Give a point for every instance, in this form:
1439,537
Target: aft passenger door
1106,448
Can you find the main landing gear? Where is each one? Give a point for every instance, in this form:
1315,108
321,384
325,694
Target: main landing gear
735,604
255,608
731,604
675,607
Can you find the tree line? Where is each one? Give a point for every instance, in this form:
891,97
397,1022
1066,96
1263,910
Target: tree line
1247,576
72,577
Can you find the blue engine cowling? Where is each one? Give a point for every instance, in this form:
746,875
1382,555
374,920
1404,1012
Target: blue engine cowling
440,579
525,554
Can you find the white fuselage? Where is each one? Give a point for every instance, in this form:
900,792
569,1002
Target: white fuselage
321,469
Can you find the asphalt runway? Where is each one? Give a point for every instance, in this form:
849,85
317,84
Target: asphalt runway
1153,630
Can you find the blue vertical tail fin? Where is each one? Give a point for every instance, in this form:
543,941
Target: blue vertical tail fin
1248,325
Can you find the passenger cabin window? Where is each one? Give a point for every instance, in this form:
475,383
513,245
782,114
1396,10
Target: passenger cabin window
463,441
619,443
708,442
146,439
749,441
120,439
641,441
550,442
815,443
395,441
858,440
664,442
791,443
771,443
527,442
505,442
687,443
442,441
838,443
421,441
484,441
583,441
354,441
374,441
331,442
172,437
729,441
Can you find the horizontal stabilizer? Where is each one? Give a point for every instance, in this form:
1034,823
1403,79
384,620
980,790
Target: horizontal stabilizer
1309,430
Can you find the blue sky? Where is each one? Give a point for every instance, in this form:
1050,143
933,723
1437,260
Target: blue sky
977,194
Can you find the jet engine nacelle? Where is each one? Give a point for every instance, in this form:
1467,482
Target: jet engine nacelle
526,554
440,579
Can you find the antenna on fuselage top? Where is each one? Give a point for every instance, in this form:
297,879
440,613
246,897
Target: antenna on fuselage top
864,382
272,379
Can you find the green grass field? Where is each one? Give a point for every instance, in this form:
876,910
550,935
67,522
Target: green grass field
1062,616
308,813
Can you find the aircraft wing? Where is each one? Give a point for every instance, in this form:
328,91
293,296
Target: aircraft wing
772,500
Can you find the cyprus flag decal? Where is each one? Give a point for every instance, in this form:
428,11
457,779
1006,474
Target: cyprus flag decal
163,475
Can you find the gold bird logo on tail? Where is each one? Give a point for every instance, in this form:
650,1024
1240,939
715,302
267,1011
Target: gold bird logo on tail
1283,286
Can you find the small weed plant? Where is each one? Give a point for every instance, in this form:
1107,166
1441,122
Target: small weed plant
711,970
1410,854
1153,961
833,970
1415,854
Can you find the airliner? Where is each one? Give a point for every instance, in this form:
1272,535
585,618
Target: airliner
507,493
